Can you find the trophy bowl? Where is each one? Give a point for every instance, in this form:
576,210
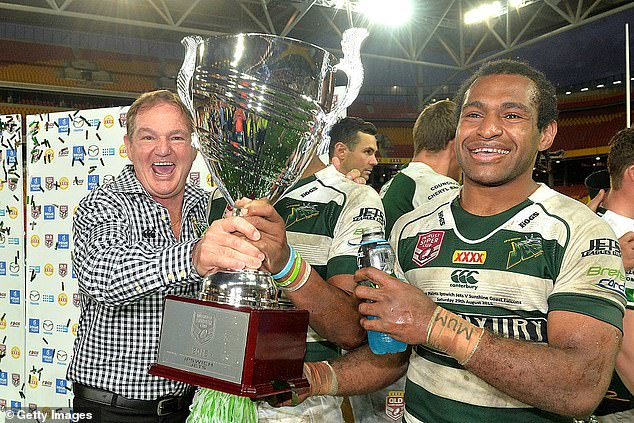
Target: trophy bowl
245,288
262,105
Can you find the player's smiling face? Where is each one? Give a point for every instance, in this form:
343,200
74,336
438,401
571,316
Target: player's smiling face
497,138
160,150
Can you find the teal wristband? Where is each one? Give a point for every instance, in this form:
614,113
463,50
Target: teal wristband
289,264
294,272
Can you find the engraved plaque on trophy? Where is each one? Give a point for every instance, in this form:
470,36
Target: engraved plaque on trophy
262,106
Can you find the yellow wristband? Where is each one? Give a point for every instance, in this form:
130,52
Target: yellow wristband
449,333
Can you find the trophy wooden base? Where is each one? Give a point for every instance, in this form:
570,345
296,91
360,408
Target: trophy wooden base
241,350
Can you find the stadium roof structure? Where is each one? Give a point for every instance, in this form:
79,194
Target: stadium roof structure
436,40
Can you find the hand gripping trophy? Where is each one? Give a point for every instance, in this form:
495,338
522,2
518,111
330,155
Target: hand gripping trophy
262,106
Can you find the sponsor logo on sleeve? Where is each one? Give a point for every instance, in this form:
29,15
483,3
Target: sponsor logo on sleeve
611,279
612,285
370,213
602,246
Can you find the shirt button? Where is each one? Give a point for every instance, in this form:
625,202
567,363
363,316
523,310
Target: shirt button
182,274
170,276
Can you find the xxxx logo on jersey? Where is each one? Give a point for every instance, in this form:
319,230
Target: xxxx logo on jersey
469,257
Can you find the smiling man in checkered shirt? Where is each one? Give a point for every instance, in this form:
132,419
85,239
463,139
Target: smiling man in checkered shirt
135,242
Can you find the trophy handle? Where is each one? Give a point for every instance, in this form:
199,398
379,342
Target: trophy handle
185,75
351,65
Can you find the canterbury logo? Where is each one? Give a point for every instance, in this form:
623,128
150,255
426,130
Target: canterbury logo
469,257
464,276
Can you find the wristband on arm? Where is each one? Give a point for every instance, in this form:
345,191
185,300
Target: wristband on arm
451,334
321,377
289,264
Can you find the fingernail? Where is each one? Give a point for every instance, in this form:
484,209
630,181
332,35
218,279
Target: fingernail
256,236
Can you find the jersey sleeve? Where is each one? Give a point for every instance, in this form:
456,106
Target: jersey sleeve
363,210
591,280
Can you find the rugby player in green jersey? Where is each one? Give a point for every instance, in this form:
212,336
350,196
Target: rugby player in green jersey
508,309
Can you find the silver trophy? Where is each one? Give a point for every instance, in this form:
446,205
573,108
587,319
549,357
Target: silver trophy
262,105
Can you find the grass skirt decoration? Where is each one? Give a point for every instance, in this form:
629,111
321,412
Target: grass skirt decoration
211,406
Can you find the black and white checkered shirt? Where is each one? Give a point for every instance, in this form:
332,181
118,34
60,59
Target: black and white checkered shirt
127,259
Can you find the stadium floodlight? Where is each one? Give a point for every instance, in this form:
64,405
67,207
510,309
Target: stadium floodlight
392,13
483,12
493,9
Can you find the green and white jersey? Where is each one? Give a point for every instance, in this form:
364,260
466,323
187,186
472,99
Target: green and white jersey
621,225
414,185
618,397
325,215
503,273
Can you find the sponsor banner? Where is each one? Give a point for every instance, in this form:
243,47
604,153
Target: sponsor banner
12,252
